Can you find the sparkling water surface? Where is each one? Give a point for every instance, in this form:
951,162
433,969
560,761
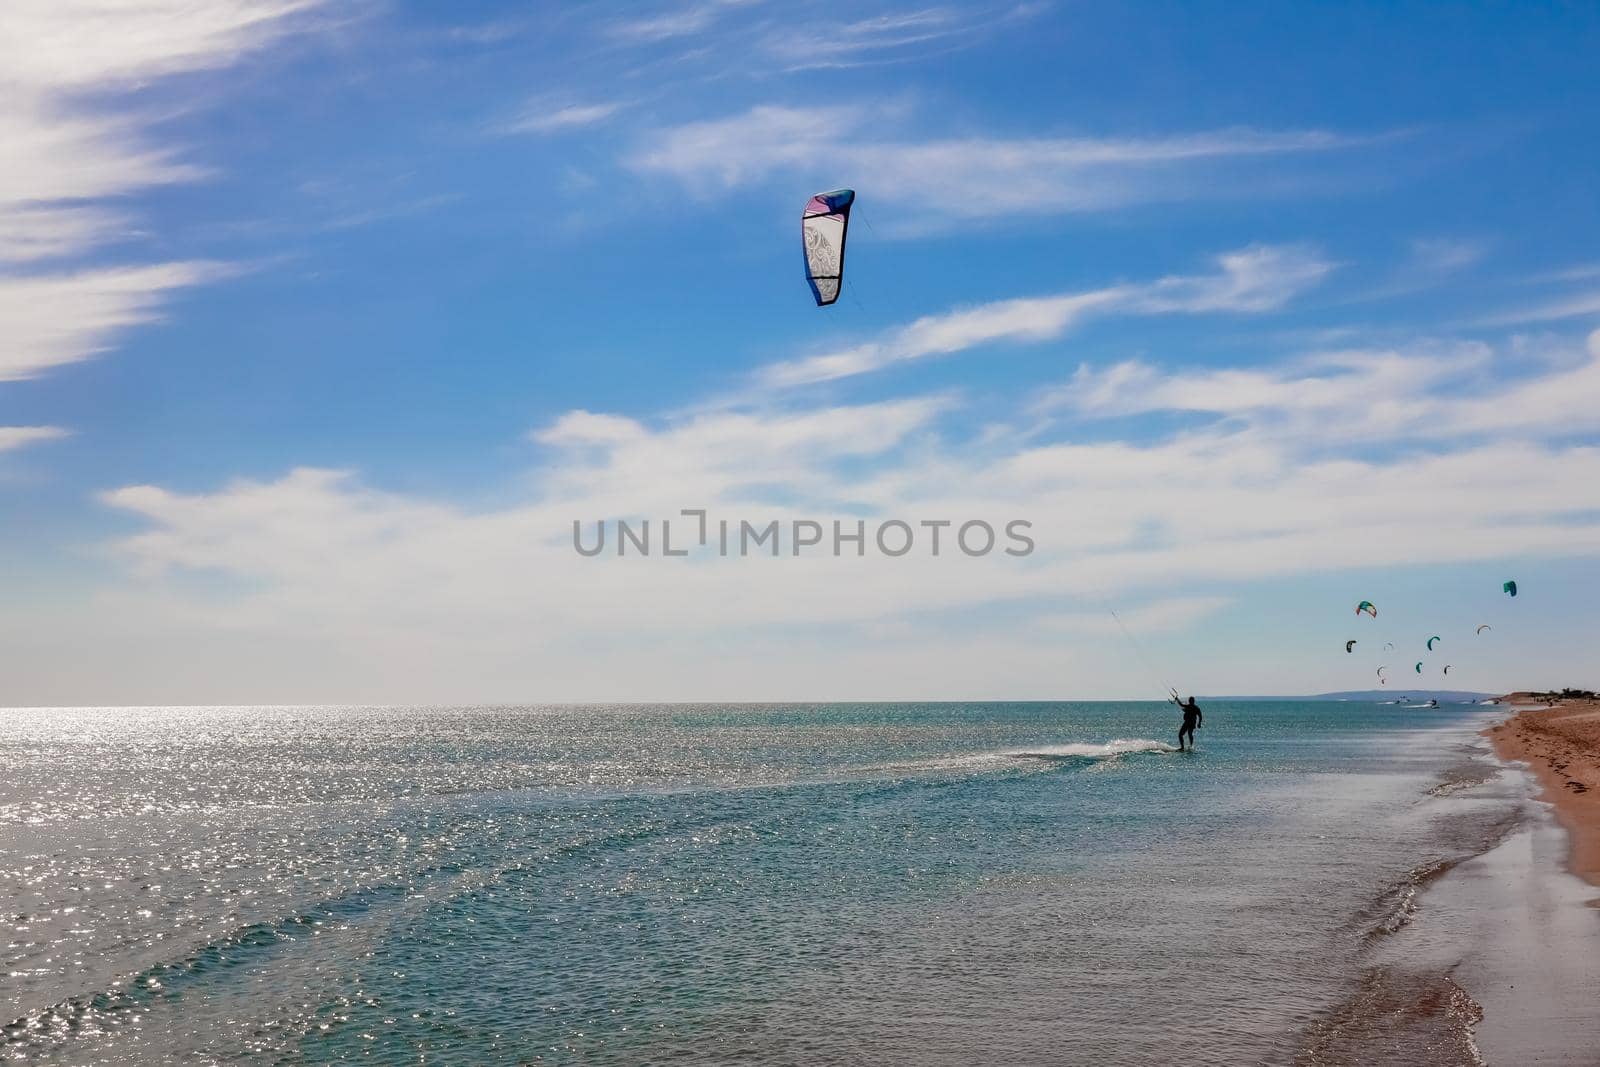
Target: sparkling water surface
905,883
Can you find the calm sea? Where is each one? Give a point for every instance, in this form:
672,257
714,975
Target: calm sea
759,884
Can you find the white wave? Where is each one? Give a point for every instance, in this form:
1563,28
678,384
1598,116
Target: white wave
982,762
1108,750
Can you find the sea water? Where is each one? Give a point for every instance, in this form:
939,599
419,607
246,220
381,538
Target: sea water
761,884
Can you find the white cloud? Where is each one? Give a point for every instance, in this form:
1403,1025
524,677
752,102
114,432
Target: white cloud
49,320
1571,307
1442,255
949,178
75,151
60,61
1256,279
33,232
617,466
1578,273
457,603
884,38
681,21
1430,393
13,437
60,161
544,117
84,45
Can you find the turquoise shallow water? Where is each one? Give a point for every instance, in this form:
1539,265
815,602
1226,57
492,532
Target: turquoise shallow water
757,884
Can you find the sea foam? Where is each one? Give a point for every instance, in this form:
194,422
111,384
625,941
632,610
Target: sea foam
1106,750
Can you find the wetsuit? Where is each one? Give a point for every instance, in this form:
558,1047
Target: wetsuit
1191,719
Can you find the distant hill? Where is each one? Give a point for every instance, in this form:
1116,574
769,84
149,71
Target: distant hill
1411,696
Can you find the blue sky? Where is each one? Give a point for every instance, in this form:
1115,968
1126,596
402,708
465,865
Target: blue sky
319,324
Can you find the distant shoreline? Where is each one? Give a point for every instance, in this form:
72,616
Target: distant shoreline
1561,744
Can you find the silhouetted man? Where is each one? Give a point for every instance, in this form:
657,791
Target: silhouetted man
1191,719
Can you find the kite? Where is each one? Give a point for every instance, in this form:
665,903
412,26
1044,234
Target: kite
1447,668
1484,627
1367,606
1431,641
1349,646
1419,666
1510,588
823,225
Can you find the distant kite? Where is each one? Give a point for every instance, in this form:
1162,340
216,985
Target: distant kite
1349,646
1510,588
1368,607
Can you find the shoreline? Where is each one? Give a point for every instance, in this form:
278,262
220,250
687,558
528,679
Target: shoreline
1560,745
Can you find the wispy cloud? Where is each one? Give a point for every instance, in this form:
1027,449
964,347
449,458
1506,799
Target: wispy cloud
49,320
1256,279
672,22
13,437
1430,262
1444,255
88,44
73,159
1578,273
963,177
67,147
62,166
544,117
1434,392
1569,307
886,38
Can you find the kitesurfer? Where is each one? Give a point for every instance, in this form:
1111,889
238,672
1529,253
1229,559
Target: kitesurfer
1191,719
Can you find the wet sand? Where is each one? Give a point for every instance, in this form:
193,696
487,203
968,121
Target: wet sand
1561,745
1488,953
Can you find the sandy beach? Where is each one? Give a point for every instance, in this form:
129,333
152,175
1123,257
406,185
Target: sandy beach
1560,742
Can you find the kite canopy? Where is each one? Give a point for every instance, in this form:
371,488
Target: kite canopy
1367,606
1349,646
1419,666
822,230
1381,670
1432,641
1388,646
1484,627
1510,588
1447,668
